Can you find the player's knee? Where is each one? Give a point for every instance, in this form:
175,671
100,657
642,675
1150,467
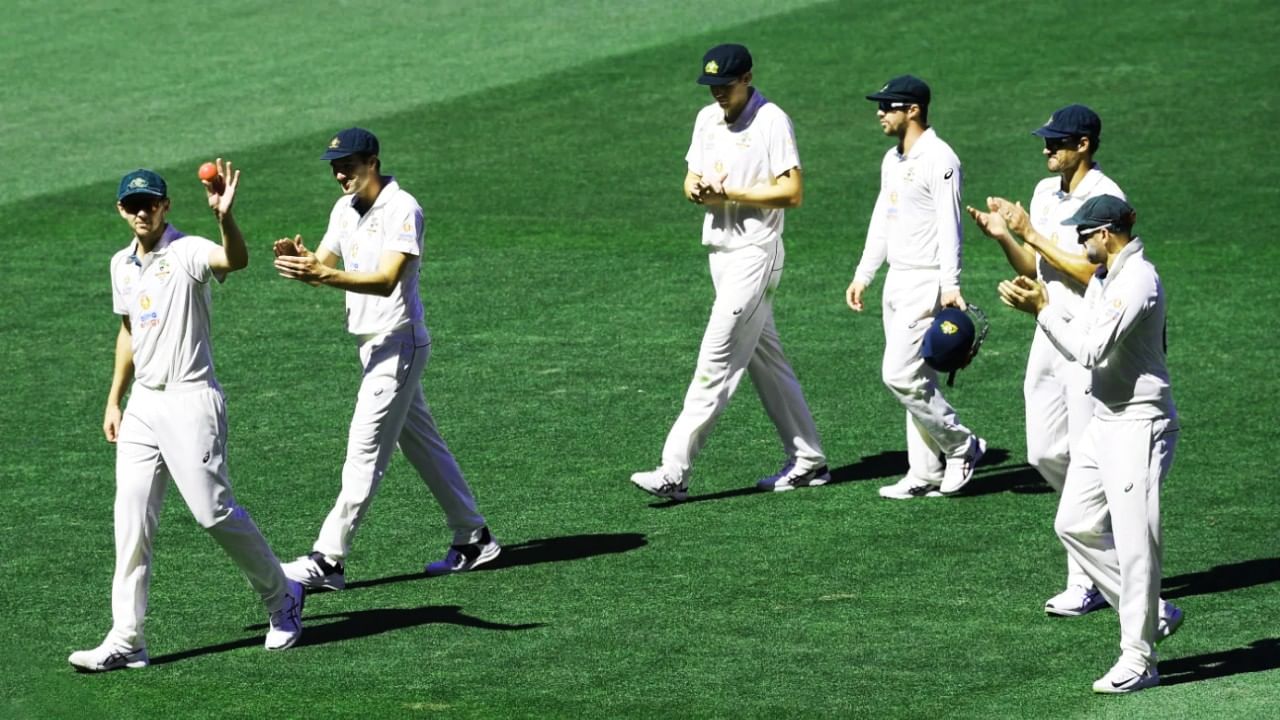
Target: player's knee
210,518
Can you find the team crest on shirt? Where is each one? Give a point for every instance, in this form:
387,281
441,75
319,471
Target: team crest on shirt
948,328
373,228
911,175
744,142
144,301
893,197
719,166
711,68
163,269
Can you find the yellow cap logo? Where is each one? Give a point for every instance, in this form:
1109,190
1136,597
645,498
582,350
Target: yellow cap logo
138,182
949,328
334,143
712,68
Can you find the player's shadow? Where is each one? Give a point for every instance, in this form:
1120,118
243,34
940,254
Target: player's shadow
1258,656
534,552
352,625
1019,479
1222,578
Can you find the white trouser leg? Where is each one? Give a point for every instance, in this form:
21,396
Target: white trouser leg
744,280
910,301
426,450
193,443
141,481
1115,476
783,399
393,366
1058,409
923,455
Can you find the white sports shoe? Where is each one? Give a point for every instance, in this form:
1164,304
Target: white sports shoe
1170,620
657,482
960,469
316,572
908,488
1123,680
109,657
285,624
1076,600
468,556
789,478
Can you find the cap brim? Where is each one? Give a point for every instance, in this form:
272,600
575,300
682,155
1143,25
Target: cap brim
1048,132
335,154
141,191
705,79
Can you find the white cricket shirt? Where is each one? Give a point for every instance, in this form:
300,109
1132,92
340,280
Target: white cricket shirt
916,220
393,224
1119,335
167,300
757,148
1050,205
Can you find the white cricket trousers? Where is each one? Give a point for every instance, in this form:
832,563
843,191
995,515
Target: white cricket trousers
741,336
178,432
1058,409
911,299
391,409
1111,521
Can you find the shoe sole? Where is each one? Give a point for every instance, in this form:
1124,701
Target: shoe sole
1108,690
784,487
131,665
982,450
677,495
934,493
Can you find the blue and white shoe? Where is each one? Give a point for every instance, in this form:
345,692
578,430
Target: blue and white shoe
788,478
316,572
1170,620
284,626
960,468
1076,600
109,657
1123,680
462,558
659,484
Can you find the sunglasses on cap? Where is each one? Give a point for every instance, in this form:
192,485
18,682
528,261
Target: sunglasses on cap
1083,234
888,106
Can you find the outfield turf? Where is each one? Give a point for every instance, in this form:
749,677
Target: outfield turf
567,293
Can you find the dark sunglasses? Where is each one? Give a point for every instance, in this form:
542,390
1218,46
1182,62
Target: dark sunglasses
135,204
888,106
1055,144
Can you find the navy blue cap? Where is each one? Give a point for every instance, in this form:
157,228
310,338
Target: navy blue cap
141,182
351,141
953,340
724,64
1071,121
1102,210
904,88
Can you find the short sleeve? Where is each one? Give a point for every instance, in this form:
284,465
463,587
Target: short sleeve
783,154
404,232
119,301
332,240
694,157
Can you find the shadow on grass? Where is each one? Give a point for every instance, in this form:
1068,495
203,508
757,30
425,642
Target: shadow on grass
352,625
534,552
871,467
1019,479
1258,656
1222,578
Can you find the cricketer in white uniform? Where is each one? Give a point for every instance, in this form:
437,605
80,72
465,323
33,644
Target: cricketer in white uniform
1055,391
377,229
175,423
744,168
916,226
1109,518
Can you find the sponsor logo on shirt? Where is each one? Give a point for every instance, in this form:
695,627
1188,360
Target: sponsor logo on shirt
144,301
148,320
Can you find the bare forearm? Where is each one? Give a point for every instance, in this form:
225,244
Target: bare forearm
366,283
233,244
1021,257
1076,267
122,372
767,196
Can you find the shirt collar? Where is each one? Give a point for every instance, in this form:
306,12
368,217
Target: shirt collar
1134,248
171,233
920,145
1090,179
748,113
389,188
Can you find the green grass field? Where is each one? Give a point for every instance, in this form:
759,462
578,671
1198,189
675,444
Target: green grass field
567,292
